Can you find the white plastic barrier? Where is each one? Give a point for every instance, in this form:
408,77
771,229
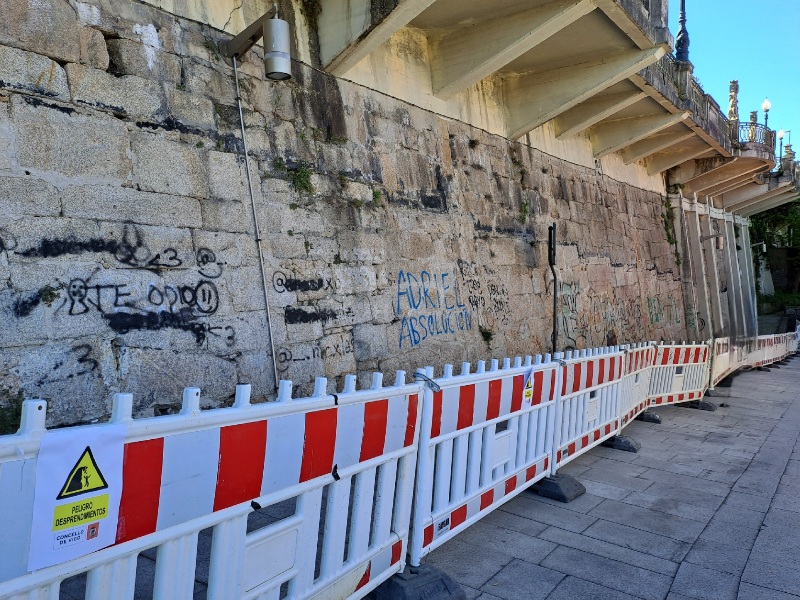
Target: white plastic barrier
346,462
636,381
680,374
721,361
483,440
588,409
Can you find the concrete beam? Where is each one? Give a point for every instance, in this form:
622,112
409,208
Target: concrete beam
593,111
728,186
652,145
345,37
612,136
751,194
534,99
770,204
468,55
663,161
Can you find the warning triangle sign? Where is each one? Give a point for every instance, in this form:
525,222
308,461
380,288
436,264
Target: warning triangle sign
84,477
529,389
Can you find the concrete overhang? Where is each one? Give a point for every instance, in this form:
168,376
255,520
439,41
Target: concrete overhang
752,194
700,175
790,196
549,56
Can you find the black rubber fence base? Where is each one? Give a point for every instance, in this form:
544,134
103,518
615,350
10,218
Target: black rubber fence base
649,417
418,583
563,488
699,405
622,442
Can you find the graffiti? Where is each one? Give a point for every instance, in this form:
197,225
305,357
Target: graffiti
601,319
207,263
660,313
170,259
437,294
332,347
281,283
129,249
78,362
184,319
312,314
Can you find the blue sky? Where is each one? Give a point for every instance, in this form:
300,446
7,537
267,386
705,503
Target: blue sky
755,42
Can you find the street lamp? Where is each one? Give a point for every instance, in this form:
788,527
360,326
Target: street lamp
781,135
765,106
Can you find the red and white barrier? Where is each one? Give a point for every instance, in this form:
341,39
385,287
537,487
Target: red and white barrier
484,438
720,361
588,409
680,374
347,461
634,398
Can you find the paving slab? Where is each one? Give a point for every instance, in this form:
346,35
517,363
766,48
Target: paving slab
708,509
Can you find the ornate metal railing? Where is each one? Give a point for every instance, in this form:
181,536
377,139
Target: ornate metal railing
756,133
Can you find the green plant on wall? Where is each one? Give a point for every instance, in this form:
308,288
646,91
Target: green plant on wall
668,217
10,411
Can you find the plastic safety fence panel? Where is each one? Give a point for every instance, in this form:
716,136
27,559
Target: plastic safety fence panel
484,438
635,386
680,374
589,405
721,363
761,356
296,498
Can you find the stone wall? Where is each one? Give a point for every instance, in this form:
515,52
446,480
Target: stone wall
392,237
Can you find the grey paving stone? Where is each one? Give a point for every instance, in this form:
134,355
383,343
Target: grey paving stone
670,506
572,588
742,500
772,575
723,532
522,580
692,483
617,479
581,504
786,502
604,490
748,591
514,522
720,557
609,573
491,538
524,506
653,521
739,515
467,564
473,594
609,550
637,539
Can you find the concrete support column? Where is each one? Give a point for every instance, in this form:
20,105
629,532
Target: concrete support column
706,324
750,281
720,327
734,280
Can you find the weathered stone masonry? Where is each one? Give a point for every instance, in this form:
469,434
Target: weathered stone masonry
393,237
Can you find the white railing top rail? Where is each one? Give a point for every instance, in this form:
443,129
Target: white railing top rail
25,443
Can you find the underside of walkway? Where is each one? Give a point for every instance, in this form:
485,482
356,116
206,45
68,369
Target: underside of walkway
708,509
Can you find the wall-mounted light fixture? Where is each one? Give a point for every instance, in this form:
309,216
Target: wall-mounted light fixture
275,31
763,246
277,66
719,240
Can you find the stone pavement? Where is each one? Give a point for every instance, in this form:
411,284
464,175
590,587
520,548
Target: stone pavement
708,509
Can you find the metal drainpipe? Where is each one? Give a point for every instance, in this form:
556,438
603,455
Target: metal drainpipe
551,256
255,224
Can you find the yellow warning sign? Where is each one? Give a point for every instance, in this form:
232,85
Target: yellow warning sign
84,477
80,512
528,394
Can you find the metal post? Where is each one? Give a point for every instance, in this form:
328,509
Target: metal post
255,223
551,256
